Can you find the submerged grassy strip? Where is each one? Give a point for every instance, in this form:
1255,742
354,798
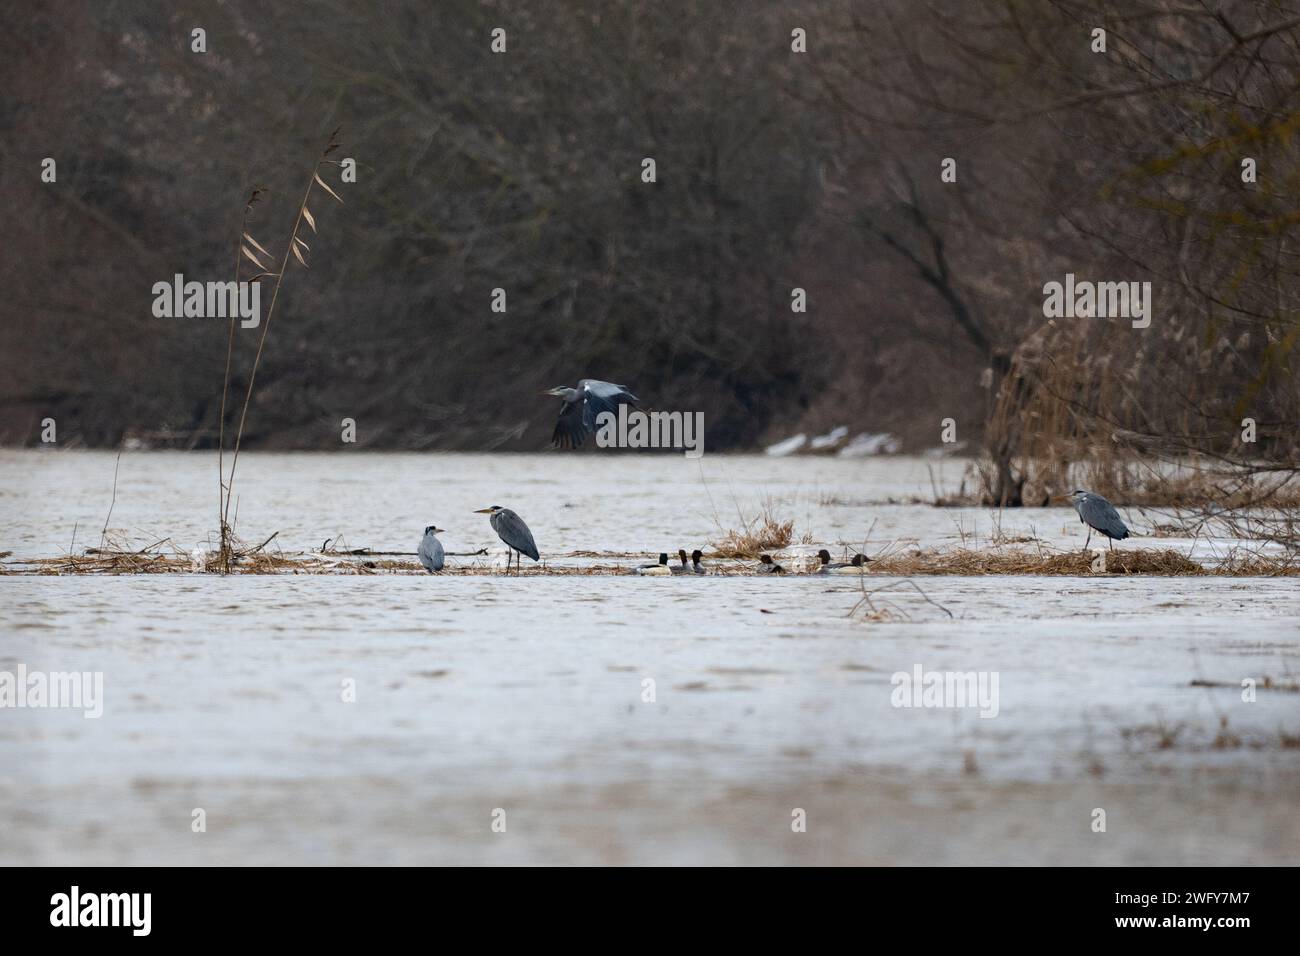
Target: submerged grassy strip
957,562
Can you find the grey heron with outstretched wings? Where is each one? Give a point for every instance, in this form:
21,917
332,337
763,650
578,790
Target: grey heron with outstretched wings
582,406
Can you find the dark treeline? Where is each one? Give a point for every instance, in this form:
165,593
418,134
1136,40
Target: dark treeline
775,169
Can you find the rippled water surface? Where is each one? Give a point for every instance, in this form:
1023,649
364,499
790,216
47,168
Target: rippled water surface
529,695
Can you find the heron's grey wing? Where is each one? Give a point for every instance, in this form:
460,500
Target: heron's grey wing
602,397
1103,516
515,533
431,553
569,429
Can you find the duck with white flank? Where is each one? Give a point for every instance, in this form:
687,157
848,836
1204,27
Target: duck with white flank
655,569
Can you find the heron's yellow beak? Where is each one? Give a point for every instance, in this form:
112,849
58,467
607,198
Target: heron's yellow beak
483,511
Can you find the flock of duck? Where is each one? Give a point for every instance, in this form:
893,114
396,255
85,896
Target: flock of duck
766,564
519,539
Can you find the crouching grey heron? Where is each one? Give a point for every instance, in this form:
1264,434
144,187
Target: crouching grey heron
581,407
430,550
1099,515
511,529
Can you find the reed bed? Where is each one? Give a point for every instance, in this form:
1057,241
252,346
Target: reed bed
964,562
764,534
969,562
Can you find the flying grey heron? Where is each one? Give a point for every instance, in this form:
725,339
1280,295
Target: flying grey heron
857,566
660,569
582,405
770,566
1099,515
511,529
430,550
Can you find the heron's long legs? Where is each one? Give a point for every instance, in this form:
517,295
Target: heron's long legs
1085,544
1112,544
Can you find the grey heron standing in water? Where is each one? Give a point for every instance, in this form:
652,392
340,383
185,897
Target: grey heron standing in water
430,550
581,407
511,529
1099,515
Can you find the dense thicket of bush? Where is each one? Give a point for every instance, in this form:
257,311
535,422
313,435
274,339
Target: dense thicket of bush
776,169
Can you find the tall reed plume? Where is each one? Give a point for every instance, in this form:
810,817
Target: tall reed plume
250,249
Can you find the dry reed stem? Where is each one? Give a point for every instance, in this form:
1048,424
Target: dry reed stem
304,214
765,533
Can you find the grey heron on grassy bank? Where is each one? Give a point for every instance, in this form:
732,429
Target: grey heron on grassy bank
511,529
581,407
1098,514
430,550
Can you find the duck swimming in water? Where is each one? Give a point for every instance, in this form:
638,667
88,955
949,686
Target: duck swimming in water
655,569
856,566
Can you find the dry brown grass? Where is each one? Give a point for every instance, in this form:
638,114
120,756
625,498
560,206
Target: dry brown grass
963,561
765,533
311,563
1243,564
162,557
